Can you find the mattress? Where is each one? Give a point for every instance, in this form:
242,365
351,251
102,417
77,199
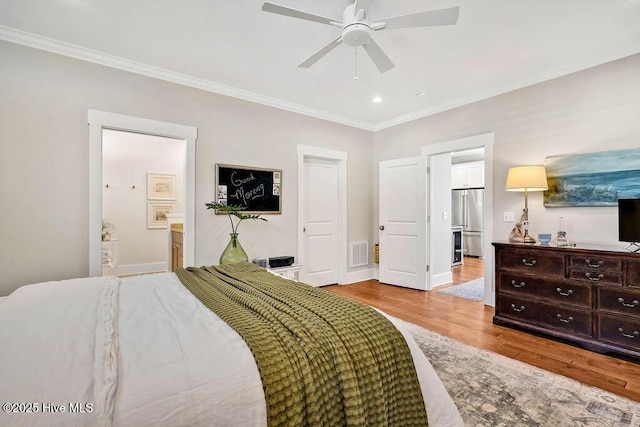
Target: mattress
139,351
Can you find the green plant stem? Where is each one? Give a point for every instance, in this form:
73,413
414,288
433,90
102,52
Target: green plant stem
233,230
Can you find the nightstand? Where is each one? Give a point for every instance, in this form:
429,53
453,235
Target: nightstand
290,271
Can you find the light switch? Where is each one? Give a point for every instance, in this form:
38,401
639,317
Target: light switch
445,215
508,217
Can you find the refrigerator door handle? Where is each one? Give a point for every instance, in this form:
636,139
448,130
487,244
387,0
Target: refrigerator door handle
465,210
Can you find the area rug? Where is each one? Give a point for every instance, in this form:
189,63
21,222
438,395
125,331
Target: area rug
493,390
473,290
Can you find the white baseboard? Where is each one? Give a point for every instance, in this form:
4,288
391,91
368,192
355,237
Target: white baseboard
438,279
152,267
358,276
442,279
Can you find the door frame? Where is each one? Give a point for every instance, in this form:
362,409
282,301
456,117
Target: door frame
340,157
484,140
100,120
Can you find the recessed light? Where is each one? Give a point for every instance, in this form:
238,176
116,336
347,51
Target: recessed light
421,95
376,99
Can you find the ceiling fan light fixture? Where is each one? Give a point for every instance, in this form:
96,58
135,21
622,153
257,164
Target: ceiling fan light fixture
356,34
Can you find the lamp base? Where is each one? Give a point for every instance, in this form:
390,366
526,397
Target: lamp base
528,240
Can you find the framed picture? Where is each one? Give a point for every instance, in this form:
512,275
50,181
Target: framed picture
161,186
157,214
592,179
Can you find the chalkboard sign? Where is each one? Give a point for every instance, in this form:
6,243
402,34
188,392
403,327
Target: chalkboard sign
254,188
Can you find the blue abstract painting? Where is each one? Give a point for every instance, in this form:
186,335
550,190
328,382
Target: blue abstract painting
594,179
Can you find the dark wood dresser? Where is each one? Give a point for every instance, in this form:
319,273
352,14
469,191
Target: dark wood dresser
588,296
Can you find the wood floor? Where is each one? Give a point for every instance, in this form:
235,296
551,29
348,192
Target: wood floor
471,323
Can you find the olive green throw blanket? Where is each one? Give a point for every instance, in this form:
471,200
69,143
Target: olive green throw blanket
324,360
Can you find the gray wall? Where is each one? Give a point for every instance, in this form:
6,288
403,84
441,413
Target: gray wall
44,160
593,110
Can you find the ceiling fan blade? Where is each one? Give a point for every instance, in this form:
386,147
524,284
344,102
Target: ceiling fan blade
322,52
423,19
379,58
364,5
294,13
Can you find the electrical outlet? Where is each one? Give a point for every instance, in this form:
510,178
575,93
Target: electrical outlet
508,216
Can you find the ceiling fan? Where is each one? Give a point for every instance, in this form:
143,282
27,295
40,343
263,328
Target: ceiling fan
358,27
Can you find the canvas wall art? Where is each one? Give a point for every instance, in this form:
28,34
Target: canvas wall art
593,179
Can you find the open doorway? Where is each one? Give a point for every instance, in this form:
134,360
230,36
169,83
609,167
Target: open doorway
467,223
98,122
440,237
143,178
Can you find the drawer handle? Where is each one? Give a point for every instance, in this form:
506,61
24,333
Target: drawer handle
518,285
564,294
527,263
569,319
633,304
522,307
590,264
631,335
594,279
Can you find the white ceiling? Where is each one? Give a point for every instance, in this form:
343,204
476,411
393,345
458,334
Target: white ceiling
234,48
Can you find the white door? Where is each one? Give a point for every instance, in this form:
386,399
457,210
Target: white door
321,208
403,223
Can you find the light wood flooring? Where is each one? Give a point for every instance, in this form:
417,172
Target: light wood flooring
471,323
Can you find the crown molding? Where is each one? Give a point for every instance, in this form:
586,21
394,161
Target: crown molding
62,48
67,49
512,85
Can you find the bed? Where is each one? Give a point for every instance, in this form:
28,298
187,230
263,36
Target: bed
140,351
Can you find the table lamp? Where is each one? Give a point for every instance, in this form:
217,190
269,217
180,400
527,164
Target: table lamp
527,178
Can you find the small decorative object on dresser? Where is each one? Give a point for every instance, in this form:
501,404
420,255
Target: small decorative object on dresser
544,238
588,296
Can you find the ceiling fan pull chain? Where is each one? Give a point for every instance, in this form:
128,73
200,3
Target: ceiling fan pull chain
356,63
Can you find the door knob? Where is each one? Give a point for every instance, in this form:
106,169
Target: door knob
381,227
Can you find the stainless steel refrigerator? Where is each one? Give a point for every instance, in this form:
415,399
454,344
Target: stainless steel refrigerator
467,208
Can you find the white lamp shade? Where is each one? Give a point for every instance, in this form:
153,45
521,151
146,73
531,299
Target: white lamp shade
529,178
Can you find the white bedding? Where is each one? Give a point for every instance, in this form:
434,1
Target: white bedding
160,357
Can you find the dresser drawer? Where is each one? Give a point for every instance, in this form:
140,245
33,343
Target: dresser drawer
596,276
619,300
557,291
633,274
567,319
595,262
595,268
532,261
622,331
